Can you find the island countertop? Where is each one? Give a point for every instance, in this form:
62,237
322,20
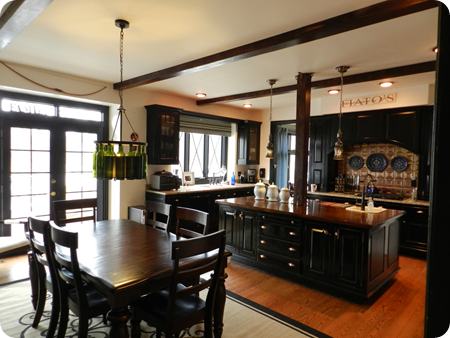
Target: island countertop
336,213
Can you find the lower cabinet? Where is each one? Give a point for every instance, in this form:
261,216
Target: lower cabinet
240,227
346,261
414,231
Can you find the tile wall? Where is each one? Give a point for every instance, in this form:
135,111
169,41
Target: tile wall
388,180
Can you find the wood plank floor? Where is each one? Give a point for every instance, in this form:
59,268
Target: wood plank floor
397,313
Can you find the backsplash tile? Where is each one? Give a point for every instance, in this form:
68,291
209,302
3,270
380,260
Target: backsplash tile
389,180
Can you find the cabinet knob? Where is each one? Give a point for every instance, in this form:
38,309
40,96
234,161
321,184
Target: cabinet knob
291,265
234,214
219,195
241,215
264,217
420,211
292,222
292,234
262,256
263,227
292,249
263,242
337,234
177,200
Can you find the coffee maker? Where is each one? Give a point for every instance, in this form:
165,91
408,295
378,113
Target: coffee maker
251,175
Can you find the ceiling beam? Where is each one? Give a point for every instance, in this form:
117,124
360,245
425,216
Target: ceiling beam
349,79
366,16
18,15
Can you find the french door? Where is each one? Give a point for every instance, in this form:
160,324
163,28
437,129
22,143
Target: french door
46,159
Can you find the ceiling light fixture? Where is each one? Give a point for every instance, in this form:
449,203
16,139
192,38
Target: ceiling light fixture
333,91
386,84
269,147
247,105
339,145
200,95
108,164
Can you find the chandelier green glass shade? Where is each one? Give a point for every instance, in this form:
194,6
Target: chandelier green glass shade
111,165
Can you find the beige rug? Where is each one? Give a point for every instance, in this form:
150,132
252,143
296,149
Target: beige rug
242,319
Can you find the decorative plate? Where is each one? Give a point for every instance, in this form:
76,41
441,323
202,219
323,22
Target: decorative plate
376,162
399,163
355,162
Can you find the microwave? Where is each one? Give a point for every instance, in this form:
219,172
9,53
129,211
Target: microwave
163,181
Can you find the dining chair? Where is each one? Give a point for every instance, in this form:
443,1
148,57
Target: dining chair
44,276
191,222
71,211
179,307
75,294
158,214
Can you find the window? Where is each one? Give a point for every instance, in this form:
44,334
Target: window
291,158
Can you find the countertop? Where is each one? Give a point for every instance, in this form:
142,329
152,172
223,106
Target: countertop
203,188
316,210
350,195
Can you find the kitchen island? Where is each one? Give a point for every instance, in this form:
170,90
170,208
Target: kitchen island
328,246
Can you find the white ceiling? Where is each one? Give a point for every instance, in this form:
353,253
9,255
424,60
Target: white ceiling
80,38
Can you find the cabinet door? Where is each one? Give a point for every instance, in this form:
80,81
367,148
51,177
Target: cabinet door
318,151
348,257
247,233
369,128
317,255
163,127
228,221
248,143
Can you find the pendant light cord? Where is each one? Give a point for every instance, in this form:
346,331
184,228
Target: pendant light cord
340,102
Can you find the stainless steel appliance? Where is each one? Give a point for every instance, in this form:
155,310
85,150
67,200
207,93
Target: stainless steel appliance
251,175
164,180
137,213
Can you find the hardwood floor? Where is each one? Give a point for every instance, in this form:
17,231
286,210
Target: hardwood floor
397,313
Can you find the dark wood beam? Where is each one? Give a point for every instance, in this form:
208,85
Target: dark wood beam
350,79
17,16
366,16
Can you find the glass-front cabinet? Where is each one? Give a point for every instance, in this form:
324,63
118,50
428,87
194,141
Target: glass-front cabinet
163,126
248,142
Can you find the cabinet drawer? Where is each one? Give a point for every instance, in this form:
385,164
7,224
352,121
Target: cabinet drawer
279,246
283,232
269,218
283,262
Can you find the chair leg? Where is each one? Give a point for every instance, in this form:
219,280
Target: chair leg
40,304
64,318
83,325
54,316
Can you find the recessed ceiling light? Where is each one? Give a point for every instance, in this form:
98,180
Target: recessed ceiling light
386,84
247,105
435,49
333,91
200,95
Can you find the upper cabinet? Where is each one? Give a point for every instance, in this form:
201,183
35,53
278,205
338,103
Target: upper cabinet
163,126
248,142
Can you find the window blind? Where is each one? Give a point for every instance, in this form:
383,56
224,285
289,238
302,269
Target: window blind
201,125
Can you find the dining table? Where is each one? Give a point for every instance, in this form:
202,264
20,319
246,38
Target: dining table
125,260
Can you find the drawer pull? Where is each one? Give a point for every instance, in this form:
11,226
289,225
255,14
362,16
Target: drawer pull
292,222
177,200
219,195
263,242
234,214
234,194
291,265
420,211
264,217
292,249
263,227
323,231
292,234
241,216
262,256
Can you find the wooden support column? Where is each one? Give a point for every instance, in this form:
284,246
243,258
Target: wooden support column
303,111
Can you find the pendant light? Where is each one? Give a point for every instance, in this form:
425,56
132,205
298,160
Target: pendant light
109,164
269,147
339,145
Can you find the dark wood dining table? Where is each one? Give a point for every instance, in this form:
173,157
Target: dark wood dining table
126,260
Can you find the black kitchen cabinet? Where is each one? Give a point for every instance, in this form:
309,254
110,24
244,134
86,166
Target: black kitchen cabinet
403,129
248,142
240,227
163,127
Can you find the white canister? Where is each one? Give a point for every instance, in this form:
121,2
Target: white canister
272,193
284,195
260,191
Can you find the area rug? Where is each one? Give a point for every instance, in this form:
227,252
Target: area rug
242,318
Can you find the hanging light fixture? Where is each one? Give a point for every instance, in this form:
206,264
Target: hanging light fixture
269,147
109,164
339,145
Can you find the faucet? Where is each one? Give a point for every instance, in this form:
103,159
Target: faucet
372,186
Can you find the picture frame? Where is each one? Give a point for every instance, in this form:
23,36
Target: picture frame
188,178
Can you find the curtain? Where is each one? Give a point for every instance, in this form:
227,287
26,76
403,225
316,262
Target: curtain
281,156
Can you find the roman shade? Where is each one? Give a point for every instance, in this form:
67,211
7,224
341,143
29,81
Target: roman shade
201,125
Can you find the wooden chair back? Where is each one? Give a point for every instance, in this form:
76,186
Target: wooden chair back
71,211
191,222
158,215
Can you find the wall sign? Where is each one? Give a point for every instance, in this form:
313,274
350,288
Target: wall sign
369,100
